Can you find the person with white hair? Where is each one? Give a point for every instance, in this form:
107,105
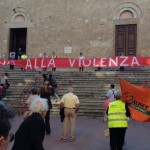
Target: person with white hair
33,95
117,122
31,132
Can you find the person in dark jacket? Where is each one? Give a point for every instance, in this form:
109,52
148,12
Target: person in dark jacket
53,83
45,92
31,132
45,77
62,114
6,114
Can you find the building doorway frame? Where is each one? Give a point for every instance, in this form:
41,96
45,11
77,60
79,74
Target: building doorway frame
17,40
126,40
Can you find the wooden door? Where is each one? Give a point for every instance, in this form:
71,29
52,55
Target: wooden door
126,40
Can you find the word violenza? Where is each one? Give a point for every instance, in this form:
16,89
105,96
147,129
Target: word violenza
36,63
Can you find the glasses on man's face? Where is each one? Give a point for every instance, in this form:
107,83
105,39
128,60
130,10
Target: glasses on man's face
11,137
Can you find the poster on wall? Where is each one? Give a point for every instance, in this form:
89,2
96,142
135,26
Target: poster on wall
68,50
11,53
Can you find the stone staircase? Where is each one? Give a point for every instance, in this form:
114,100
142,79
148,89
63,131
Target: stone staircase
90,86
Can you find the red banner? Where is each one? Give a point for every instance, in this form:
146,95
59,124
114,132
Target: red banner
138,100
36,63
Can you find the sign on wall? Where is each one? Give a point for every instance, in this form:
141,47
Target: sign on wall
36,63
68,50
10,54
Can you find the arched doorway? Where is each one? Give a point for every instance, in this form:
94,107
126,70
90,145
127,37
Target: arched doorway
126,40
17,40
126,35
18,33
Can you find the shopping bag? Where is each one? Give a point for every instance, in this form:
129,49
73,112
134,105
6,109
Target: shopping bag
106,133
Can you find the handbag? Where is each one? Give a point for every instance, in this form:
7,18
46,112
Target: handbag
106,133
62,114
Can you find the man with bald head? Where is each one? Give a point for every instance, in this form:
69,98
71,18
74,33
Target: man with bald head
70,102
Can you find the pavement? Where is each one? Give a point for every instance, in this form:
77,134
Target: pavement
89,135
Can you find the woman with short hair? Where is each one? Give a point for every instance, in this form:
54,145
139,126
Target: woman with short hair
31,132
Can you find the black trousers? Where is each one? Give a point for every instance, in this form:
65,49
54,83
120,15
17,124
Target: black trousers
117,136
53,69
47,122
11,67
81,68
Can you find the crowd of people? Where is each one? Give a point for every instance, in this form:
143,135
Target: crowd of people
31,133
21,55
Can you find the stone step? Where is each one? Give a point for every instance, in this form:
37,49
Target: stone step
90,86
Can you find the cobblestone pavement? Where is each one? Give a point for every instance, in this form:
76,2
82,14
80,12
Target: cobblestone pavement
89,135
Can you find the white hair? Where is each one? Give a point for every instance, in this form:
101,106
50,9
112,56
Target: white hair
118,95
38,104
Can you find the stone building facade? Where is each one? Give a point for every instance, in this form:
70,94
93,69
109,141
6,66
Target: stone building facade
98,28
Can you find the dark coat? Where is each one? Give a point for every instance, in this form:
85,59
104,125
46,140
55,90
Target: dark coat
47,96
30,134
47,117
52,82
62,114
